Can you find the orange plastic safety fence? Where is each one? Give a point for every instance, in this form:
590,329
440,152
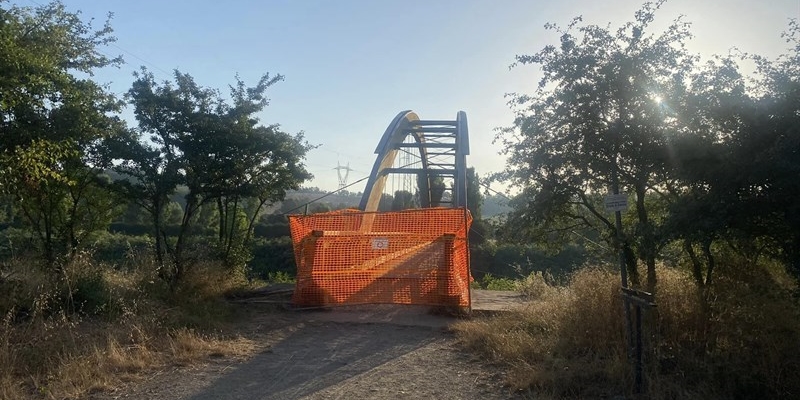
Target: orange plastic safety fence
418,256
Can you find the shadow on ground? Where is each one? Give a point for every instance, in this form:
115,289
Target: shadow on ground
320,354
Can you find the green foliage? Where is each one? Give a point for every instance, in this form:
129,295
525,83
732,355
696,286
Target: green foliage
280,277
82,288
494,206
385,204
431,190
707,155
90,294
474,198
516,261
272,255
32,166
217,151
113,248
64,217
490,282
52,122
402,200
596,119
272,228
740,189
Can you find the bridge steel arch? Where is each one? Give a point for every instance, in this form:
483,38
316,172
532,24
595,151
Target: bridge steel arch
447,139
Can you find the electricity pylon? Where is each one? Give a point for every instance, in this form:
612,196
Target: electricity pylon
343,179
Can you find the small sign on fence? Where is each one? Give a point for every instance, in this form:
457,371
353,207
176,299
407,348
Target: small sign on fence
380,243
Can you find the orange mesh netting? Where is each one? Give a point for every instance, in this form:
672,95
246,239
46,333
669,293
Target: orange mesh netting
415,256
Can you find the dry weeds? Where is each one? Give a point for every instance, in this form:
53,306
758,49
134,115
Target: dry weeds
737,339
50,351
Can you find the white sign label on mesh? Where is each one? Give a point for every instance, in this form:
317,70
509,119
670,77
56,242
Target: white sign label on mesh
380,243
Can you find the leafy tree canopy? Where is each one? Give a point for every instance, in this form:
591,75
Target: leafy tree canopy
53,119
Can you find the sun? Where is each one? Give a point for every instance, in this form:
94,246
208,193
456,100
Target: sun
657,99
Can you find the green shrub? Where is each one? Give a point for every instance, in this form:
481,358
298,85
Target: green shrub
535,285
490,282
90,294
272,255
85,289
280,277
115,247
26,290
520,260
272,230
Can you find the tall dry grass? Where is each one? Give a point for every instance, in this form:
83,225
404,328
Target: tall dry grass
738,339
97,327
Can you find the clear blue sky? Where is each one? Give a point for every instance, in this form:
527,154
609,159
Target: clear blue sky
351,65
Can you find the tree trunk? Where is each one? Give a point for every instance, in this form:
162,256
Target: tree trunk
49,248
647,248
631,264
72,249
76,194
49,251
232,231
159,244
697,268
221,212
180,261
710,262
253,219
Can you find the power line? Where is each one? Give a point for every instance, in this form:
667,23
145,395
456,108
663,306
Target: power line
486,186
165,72
156,67
326,195
333,192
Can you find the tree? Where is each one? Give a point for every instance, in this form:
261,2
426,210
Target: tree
52,121
771,147
217,150
474,198
402,200
597,120
738,169
385,204
710,112
435,184
150,177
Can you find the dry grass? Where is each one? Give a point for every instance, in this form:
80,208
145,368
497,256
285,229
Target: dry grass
739,339
50,351
564,343
108,364
187,345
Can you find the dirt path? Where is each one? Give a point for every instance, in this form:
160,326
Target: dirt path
365,352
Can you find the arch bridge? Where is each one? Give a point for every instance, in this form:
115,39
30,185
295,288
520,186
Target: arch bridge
410,256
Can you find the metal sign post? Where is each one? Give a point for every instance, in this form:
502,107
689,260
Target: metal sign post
639,299
617,203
